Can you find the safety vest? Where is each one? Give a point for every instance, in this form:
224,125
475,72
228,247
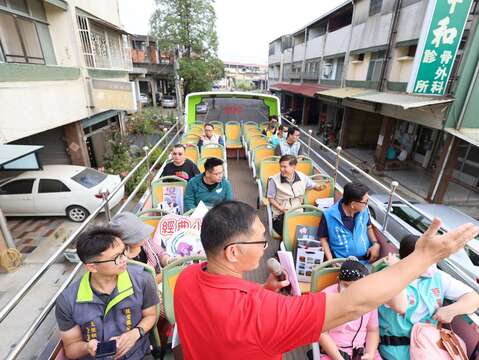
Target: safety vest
289,195
122,312
342,241
426,291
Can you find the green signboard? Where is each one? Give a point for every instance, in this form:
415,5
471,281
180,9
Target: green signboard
440,38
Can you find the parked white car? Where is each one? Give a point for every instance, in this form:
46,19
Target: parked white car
58,190
144,99
202,108
405,220
168,101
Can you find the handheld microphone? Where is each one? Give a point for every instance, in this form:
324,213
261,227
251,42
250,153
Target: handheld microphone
275,268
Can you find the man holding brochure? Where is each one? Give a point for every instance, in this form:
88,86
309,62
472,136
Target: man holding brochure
222,316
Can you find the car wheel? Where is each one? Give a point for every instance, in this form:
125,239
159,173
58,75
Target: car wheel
77,213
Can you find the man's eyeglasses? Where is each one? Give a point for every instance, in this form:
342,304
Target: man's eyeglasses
264,242
363,202
117,259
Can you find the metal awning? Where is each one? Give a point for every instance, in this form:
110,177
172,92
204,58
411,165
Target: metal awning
344,92
308,90
101,21
469,135
61,4
97,118
404,101
19,157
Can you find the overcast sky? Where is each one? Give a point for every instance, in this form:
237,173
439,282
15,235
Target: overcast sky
244,27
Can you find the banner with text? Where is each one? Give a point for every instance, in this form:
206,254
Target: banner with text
440,38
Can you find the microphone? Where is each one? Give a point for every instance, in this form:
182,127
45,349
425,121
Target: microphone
275,268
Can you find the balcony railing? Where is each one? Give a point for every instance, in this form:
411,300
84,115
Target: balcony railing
295,75
310,75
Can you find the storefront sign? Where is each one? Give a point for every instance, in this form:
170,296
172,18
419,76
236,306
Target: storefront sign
440,38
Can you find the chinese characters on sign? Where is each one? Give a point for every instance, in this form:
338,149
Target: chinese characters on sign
438,46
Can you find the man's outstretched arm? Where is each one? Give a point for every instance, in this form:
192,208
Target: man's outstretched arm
367,294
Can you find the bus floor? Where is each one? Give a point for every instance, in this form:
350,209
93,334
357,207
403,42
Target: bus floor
246,190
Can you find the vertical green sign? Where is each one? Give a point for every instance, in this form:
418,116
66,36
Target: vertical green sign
440,38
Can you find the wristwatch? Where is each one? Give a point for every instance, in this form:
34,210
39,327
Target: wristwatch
141,331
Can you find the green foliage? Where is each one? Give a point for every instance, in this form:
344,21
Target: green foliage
199,74
191,25
245,85
117,159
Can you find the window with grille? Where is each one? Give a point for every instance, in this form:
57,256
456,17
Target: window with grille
375,7
375,63
102,47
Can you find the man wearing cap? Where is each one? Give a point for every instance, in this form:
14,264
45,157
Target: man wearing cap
111,301
137,235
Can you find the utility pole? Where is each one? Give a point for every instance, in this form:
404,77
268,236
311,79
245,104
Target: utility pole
179,95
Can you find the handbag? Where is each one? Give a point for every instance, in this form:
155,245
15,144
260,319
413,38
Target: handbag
435,342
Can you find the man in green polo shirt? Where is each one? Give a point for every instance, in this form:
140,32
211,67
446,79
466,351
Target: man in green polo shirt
111,301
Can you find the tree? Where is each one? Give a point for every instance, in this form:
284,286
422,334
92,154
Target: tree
191,24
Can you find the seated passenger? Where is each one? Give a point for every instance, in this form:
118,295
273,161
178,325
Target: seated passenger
278,136
272,125
137,236
345,228
180,166
360,336
422,301
210,187
269,131
286,189
112,301
290,146
209,137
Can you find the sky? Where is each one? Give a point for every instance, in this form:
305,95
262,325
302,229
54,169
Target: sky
244,28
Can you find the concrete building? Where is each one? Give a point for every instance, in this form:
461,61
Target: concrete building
346,74
152,69
64,77
237,72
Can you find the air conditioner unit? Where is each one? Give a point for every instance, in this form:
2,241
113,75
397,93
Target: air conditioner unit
327,69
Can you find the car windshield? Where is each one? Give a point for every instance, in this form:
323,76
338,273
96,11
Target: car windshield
168,97
89,178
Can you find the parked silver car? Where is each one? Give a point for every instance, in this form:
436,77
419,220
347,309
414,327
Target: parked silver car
405,220
168,101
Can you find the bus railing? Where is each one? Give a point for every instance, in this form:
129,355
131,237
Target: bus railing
391,191
35,278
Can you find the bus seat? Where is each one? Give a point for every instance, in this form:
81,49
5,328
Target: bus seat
192,152
328,192
306,215
153,333
255,141
159,184
213,150
249,125
218,124
264,125
305,165
268,167
190,139
325,274
261,152
233,135
170,276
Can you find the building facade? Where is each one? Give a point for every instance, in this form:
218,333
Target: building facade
346,74
237,73
152,69
64,77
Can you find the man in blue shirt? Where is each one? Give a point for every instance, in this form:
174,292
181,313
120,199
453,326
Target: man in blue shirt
345,228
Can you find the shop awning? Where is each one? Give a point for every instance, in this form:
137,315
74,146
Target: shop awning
342,93
19,157
61,4
404,101
469,135
305,90
97,118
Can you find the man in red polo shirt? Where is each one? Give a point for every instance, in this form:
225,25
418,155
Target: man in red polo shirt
222,316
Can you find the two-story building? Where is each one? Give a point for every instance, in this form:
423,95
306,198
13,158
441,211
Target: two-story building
346,74
236,72
152,69
64,78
